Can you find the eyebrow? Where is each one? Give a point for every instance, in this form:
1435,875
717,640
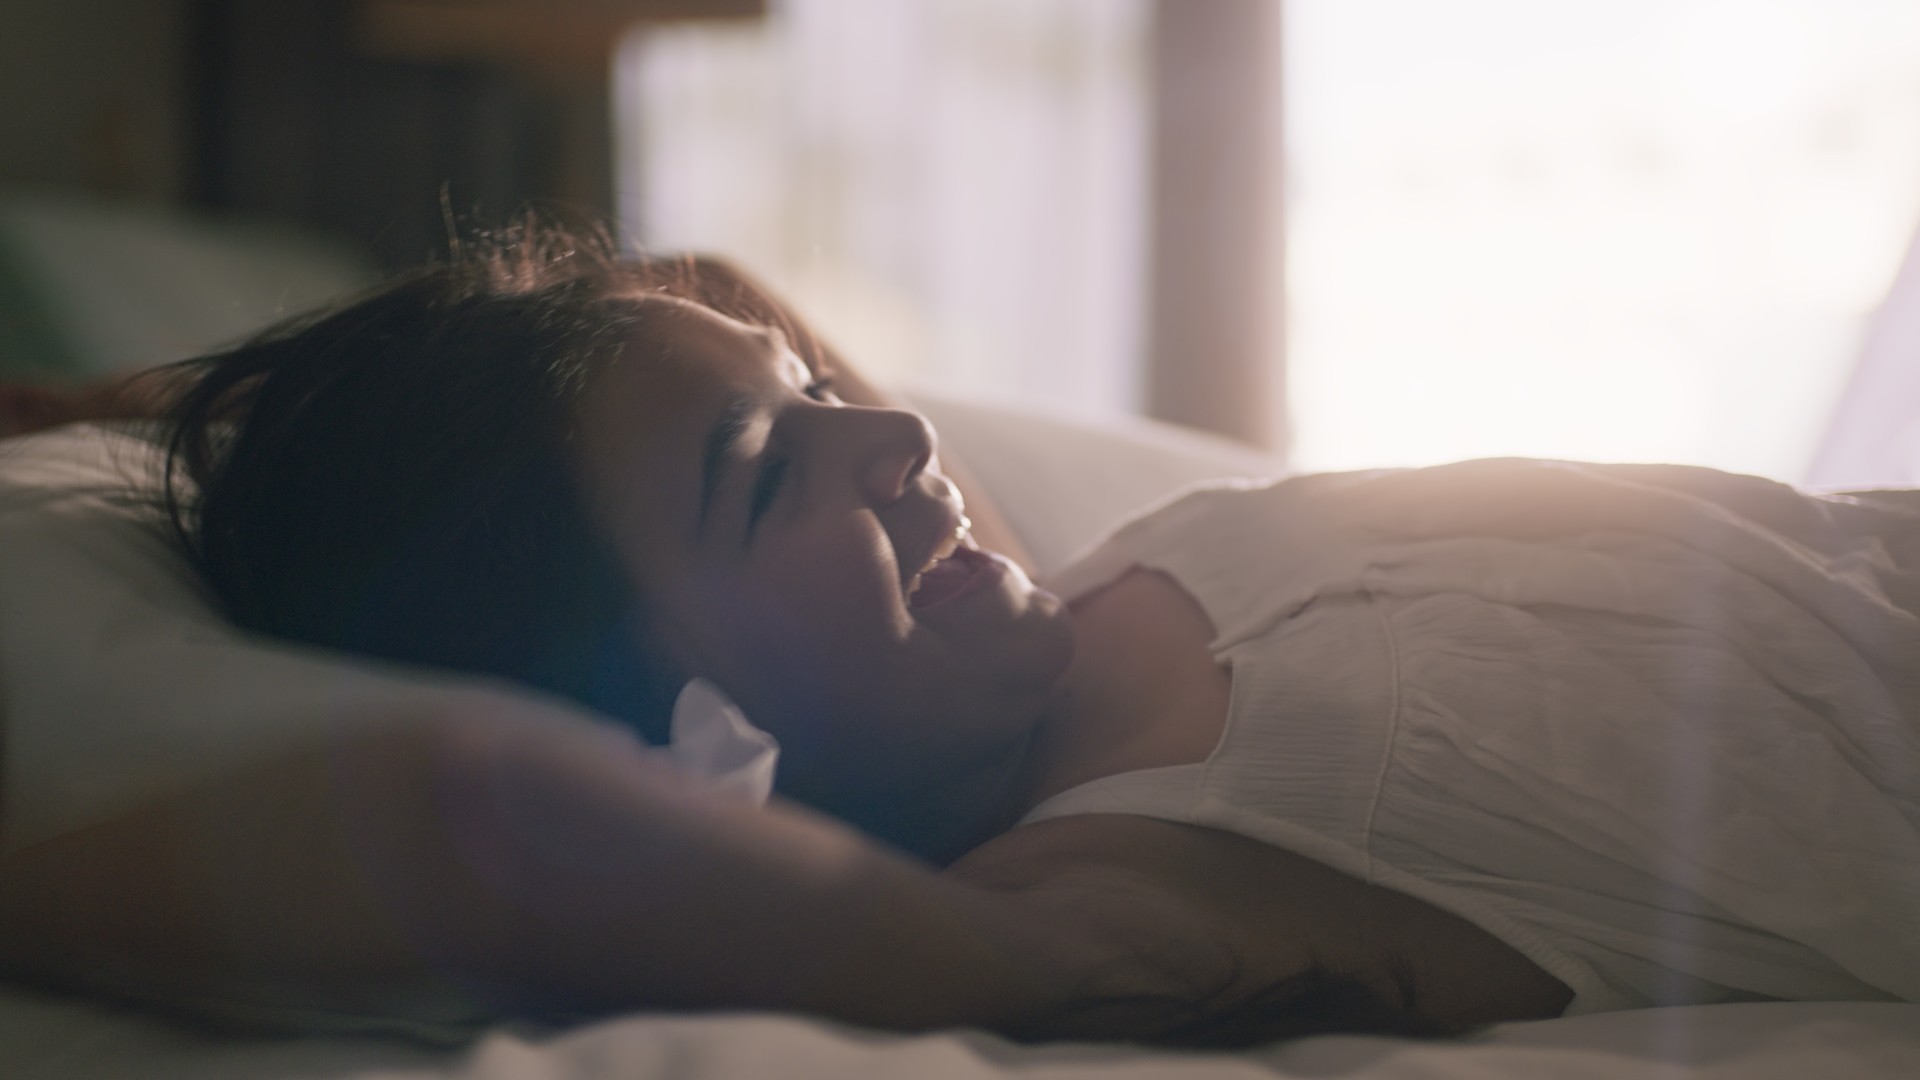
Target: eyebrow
722,439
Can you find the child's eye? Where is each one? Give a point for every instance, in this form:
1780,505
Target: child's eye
766,488
821,389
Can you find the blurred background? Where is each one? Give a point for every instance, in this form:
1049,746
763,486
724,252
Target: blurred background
1358,232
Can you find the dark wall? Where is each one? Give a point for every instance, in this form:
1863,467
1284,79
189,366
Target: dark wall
276,109
91,96
292,120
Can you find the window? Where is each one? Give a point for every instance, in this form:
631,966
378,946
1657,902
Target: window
1610,229
953,188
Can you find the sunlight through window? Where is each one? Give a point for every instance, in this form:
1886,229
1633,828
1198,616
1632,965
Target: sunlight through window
1609,229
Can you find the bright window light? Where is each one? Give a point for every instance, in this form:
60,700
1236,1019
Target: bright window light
1644,230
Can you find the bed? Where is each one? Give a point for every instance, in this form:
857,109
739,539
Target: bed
99,621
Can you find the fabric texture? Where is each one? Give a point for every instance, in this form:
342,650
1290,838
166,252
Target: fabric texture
120,681
1654,726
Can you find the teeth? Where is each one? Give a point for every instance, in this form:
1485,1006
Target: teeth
946,548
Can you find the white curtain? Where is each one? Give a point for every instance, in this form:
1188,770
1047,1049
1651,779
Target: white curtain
953,188
1648,230
1873,438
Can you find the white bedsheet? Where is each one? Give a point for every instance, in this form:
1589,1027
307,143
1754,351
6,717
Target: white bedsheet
51,1038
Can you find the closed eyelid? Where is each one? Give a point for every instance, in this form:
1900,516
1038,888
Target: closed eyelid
774,465
775,459
779,460
767,485
721,448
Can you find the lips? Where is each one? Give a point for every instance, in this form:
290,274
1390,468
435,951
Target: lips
955,539
961,572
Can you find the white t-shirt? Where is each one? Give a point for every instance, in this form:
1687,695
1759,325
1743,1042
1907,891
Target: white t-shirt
1656,727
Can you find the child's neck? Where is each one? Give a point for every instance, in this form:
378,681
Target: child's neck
1143,692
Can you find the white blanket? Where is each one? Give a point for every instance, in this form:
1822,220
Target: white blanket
66,1040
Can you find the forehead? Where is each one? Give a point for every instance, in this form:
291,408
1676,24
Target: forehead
674,334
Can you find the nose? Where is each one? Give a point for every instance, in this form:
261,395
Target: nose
892,447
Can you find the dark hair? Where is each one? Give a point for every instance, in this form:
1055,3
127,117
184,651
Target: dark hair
395,477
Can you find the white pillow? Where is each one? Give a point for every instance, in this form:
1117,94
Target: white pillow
119,682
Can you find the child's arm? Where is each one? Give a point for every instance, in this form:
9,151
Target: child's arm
540,858
29,407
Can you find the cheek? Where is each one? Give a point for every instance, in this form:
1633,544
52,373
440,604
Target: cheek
836,590
805,628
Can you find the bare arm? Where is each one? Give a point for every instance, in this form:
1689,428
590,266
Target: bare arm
29,407
526,853
531,854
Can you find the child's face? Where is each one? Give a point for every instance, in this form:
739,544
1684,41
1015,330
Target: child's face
774,535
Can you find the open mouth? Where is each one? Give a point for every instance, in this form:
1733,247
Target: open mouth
954,563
